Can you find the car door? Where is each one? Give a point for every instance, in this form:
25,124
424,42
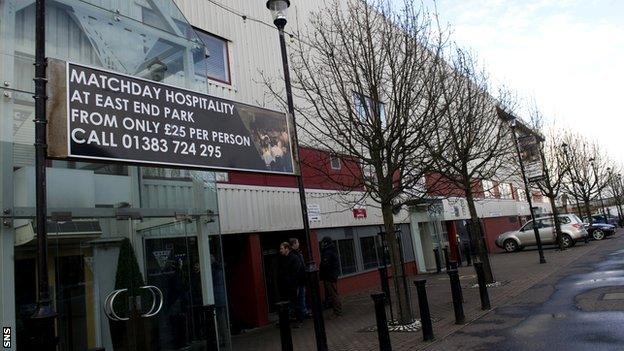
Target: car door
547,230
526,235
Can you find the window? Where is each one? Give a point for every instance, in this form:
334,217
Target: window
367,110
528,226
505,190
564,220
488,188
217,65
335,163
369,252
346,253
521,195
546,223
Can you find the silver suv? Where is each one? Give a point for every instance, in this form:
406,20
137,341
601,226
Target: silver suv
571,227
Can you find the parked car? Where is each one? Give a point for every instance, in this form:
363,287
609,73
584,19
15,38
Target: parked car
599,218
599,231
571,227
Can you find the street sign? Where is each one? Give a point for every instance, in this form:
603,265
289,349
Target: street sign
105,116
534,171
314,213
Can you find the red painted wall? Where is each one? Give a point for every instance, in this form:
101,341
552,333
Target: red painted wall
316,170
498,225
248,292
364,281
451,230
318,173
437,185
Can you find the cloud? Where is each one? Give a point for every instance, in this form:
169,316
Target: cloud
568,54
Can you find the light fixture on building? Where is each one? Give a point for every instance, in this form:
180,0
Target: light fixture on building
157,70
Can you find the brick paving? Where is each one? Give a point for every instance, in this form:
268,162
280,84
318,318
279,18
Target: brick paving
518,272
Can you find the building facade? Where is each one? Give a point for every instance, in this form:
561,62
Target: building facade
202,238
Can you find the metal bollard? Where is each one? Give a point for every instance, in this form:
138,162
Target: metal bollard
436,255
284,325
382,322
447,259
453,265
483,292
383,278
210,328
457,297
468,254
423,305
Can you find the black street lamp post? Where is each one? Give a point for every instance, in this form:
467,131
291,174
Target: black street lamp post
615,191
618,186
43,318
512,124
278,10
564,147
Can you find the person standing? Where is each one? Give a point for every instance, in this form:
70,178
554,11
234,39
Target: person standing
329,270
290,271
301,290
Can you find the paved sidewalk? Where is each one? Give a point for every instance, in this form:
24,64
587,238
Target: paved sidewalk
518,272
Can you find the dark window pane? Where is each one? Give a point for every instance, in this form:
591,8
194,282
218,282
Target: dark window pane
369,252
346,251
216,66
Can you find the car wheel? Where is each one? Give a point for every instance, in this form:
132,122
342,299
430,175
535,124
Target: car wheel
510,245
598,234
567,241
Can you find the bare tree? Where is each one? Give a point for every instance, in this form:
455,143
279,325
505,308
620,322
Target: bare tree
616,190
363,79
587,170
553,167
470,141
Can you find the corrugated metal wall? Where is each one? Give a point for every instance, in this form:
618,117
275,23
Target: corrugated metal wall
254,46
246,209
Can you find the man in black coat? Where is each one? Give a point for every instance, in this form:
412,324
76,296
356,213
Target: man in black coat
301,290
291,269
329,270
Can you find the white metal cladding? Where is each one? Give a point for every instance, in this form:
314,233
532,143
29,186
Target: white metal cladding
245,209
182,194
253,46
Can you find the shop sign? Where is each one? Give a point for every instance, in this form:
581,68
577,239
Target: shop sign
105,116
359,212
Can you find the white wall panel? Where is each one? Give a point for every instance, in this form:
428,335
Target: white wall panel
244,209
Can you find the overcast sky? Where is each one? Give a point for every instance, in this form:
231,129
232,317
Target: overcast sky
568,54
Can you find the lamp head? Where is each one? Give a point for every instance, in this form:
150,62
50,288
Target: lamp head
278,10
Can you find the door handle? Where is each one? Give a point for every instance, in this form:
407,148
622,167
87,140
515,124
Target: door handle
157,303
108,306
153,310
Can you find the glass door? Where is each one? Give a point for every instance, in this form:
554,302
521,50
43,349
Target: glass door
173,267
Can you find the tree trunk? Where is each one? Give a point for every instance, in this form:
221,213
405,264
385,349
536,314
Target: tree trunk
477,239
398,276
559,235
588,211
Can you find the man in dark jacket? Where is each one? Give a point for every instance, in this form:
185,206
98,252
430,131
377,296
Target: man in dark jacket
301,290
290,276
329,270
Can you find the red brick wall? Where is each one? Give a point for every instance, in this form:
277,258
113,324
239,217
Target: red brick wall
498,225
